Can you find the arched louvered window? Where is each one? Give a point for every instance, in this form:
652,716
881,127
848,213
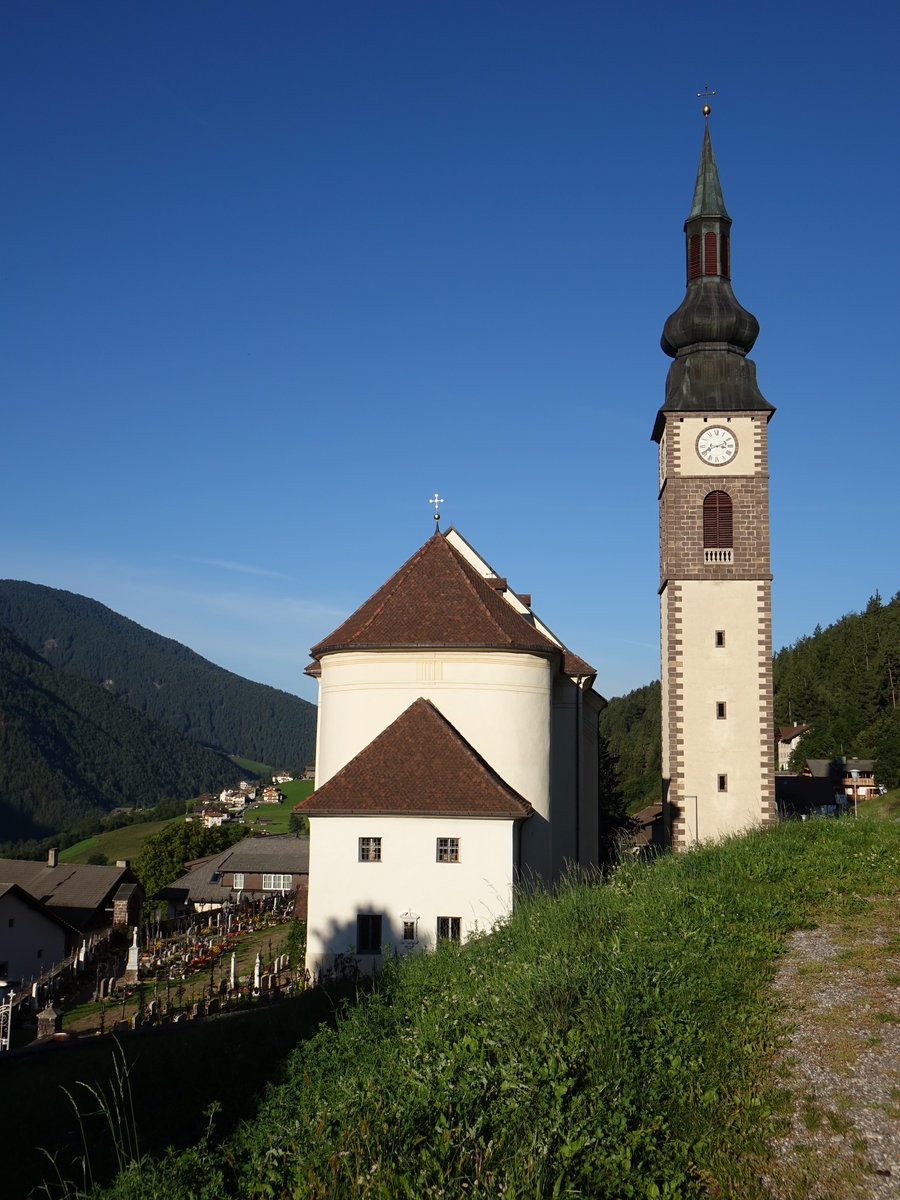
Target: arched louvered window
694,257
726,264
710,256
717,521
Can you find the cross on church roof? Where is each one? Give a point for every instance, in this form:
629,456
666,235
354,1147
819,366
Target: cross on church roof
705,95
435,500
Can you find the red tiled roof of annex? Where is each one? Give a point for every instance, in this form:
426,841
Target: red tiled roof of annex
438,599
419,766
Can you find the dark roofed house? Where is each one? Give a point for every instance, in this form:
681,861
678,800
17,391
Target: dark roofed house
83,895
32,937
253,869
788,739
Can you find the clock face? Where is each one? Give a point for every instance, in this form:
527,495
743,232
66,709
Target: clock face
716,445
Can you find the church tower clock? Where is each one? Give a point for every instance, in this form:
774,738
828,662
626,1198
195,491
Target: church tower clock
715,581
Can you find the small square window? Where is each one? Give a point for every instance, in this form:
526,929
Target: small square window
449,929
720,710
370,849
720,638
448,850
409,931
723,783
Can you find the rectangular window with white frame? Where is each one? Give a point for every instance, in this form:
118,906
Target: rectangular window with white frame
370,849
277,883
448,850
238,884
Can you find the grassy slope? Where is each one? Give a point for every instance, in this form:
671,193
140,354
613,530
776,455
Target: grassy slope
116,843
614,1041
127,841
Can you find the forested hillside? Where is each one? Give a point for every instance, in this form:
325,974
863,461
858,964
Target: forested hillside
631,726
69,750
844,681
160,677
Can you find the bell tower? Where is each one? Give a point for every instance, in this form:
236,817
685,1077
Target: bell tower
715,580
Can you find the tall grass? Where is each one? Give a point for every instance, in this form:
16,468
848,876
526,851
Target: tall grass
612,1040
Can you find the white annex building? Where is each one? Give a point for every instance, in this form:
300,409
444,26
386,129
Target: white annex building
456,753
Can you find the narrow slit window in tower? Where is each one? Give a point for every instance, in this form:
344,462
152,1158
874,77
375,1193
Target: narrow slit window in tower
694,257
711,255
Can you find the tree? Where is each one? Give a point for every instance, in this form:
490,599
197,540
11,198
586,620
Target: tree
612,809
163,855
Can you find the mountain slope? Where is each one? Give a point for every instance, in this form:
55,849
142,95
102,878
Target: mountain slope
631,726
159,676
844,681
69,750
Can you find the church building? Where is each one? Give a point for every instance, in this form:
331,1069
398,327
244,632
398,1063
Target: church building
456,755
715,580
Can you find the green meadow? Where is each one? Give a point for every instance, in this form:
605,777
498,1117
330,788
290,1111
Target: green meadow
614,1039
115,843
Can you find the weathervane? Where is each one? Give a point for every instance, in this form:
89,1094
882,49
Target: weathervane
436,500
705,95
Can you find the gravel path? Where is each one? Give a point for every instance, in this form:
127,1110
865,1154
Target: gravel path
840,988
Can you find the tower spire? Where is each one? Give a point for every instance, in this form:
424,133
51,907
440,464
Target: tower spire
708,200
710,333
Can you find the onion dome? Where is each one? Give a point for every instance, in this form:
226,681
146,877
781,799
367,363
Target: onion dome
710,333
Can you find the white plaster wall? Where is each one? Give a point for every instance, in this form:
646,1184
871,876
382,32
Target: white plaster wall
731,673
30,932
688,429
409,880
664,681
500,702
565,762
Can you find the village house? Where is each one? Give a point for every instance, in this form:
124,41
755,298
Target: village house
33,939
87,897
212,815
788,738
252,869
271,795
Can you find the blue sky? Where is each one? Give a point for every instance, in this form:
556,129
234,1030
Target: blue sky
275,272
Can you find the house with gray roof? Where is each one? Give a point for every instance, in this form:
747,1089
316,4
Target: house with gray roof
32,937
255,868
81,894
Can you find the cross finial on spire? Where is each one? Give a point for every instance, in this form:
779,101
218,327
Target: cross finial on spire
705,95
436,500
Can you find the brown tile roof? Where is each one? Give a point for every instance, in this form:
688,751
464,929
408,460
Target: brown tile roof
419,766
438,599
787,733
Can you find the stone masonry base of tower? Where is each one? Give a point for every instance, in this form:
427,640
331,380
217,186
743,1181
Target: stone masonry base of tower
716,695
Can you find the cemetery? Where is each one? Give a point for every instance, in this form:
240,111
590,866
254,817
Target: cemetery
166,973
